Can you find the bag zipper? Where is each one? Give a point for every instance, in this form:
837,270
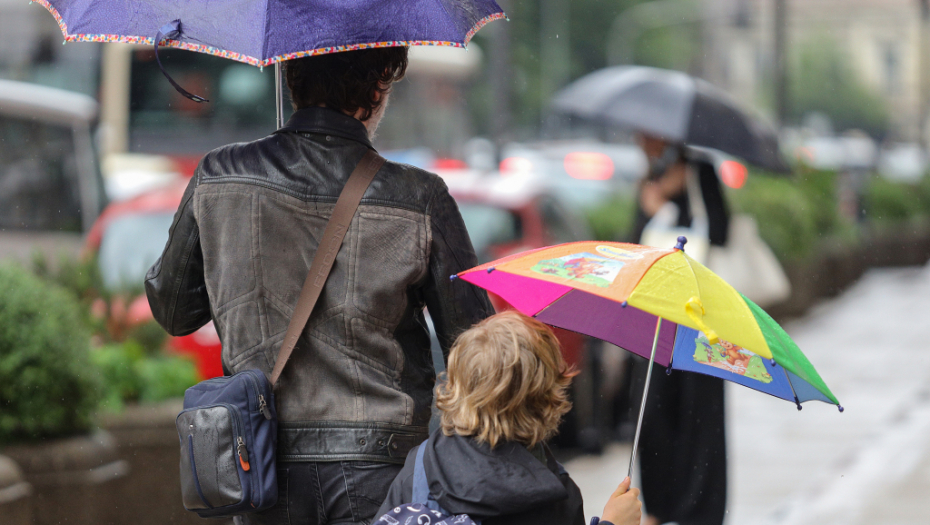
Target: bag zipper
262,404
241,450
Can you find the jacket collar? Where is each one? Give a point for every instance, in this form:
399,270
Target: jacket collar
327,121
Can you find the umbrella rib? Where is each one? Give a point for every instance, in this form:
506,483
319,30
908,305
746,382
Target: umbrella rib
264,55
790,384
697,282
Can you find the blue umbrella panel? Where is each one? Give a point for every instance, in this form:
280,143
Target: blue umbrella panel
694,353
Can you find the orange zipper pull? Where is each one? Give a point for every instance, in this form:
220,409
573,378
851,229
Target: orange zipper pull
243,454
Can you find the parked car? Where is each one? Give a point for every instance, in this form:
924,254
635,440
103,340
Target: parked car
128,238
51,191
584,173
506,213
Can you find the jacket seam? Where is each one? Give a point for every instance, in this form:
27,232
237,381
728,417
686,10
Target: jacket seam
191,242
311,198
333,458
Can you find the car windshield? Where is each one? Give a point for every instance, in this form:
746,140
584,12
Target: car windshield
489,225
39,188
241,104
130,245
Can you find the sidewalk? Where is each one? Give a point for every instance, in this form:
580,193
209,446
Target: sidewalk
870,464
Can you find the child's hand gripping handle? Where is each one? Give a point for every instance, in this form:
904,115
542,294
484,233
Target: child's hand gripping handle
623,507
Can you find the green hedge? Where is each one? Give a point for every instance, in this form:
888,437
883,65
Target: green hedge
795,214
613,220
48,386
887,202
130,374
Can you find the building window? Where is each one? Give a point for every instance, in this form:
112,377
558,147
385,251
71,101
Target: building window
891,67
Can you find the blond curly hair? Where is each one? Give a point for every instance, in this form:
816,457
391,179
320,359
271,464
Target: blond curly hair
505,381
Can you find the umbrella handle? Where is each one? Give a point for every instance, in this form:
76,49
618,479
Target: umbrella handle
278,94
172,30
642,407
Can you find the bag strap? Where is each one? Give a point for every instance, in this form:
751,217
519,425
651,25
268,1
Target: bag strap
325,254
420,493
420,490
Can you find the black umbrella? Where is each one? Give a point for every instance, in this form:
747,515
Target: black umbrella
674,106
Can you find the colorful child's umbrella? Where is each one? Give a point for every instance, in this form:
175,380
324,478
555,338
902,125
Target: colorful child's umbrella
660,304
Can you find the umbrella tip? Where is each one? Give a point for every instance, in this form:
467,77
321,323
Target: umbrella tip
453,277
623,304
491,269
840,407
772,361
681,243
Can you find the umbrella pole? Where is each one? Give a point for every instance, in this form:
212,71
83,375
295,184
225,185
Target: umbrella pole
642,407
278,95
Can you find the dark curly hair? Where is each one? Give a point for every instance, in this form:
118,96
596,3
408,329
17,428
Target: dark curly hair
345,81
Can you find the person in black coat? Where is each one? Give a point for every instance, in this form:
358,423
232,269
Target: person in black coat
504,397
682,449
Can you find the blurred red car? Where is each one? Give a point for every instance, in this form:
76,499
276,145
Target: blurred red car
506,214
128,238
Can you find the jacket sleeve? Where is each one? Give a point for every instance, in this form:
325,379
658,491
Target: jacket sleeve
454,305
175,285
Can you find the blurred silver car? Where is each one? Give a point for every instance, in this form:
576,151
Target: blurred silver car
51,190
584,173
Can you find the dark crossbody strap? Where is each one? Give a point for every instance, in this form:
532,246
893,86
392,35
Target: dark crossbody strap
325,255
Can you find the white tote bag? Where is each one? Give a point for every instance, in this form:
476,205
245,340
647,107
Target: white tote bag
749,265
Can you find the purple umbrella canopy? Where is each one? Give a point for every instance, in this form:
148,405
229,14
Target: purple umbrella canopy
264,32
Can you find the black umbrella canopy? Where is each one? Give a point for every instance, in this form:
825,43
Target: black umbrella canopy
674,106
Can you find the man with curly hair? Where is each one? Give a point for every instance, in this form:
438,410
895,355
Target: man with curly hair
356,393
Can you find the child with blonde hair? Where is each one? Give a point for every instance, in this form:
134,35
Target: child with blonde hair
504,396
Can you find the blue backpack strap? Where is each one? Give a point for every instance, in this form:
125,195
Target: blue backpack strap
420,493
420,484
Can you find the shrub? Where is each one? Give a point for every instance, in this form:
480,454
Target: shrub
166,377
130,374
48,386
787,217
888,202
613,220
121,381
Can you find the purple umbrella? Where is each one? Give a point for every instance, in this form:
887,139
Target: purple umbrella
264,32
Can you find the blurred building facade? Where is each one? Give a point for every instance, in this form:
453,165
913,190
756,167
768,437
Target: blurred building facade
881,41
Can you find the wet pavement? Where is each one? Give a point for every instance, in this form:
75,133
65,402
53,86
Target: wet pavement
868,465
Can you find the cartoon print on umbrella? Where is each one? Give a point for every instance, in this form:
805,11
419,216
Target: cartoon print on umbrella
585,267
728,356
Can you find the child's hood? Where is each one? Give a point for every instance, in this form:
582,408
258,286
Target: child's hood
470,478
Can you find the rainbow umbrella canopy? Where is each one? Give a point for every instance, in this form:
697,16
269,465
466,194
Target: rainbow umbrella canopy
660,304
618,292
642,299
